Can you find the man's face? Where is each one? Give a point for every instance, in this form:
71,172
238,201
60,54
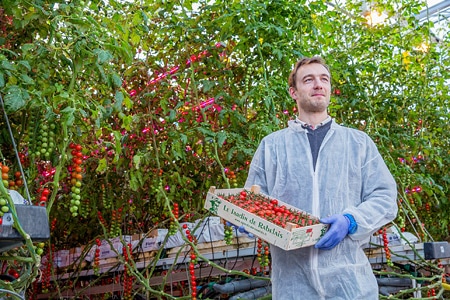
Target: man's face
312,88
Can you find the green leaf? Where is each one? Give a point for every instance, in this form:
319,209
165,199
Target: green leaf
137,18
117,146
102,165
183,138
128,102
101,72
207,85
176,150
103,56
6,65
278,53
135,38
127,121
25,64
127,52
136,180
15,98
137,160
117,106
68,116
221,137
26,79
116,80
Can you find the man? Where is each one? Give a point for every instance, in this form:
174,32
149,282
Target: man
332,172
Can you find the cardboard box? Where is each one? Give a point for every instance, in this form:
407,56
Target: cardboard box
287,238
151,241
61,258
109,248
75,255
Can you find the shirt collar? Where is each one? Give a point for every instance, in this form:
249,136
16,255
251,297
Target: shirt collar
309,126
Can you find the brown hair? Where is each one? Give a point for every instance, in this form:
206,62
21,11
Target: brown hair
306,61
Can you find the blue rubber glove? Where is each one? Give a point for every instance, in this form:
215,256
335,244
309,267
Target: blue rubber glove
338,230
241,229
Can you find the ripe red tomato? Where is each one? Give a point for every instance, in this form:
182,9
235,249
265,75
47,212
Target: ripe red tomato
45,192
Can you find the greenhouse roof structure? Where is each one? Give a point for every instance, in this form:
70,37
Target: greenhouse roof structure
438,12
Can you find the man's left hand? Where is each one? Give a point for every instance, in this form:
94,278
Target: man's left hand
336,233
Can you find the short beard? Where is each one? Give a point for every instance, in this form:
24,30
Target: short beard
309,107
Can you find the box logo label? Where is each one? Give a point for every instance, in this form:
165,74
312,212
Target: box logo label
215,204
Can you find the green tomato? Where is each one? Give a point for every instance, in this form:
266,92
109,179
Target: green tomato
4,209
3,202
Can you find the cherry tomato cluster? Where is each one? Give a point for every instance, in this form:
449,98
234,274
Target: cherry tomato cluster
193,261
231,175
46,274
176,214
263,253
228,233
101,219
46,140
208,150
39,248
76,176
127,275
107,203
18,181
189,236
252,271
85,208
387,251
249,76
401,223
270,210
45,192
4,208
5,175
97,256
15,183
13,272
116,222
53,224
12,184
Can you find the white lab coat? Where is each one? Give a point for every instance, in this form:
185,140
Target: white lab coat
350,177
